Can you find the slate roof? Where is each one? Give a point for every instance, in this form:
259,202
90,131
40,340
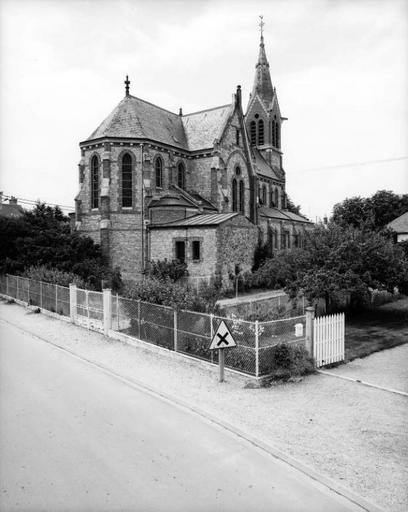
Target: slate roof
136,118
400,224
211,219
275,213
11,211
202,128
173,200
263,168
139,119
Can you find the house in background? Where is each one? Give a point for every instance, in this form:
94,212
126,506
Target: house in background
12,210
400,227
203,187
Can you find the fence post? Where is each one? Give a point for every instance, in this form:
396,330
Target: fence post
87,307
28,291
256,348
117,309
17,288
7,285
211,335
310,314
138,317
107,311
175,329
56,299
41,290
72,301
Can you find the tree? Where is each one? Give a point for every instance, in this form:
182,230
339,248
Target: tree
291,207
370,213
42,238
338,261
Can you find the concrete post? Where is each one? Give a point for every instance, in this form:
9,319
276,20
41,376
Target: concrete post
175,329
310,314
107,311
72,301
256,348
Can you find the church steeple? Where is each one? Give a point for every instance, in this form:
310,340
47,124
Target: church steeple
262,82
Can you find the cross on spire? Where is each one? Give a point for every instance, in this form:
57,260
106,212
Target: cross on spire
127,83
261,25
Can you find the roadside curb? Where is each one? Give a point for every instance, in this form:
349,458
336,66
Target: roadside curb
266,447
358,381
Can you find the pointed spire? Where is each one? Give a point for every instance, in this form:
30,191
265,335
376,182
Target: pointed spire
262,82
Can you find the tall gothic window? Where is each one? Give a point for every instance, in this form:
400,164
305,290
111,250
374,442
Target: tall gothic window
181,175
271,204
277,135
126,181
276,198
261,133
234,195
241,197
94,182
253,132
263,197
273,134
159,172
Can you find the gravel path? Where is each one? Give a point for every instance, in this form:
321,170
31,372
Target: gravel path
388,368
351,433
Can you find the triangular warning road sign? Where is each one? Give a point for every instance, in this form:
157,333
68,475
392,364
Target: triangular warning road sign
222,338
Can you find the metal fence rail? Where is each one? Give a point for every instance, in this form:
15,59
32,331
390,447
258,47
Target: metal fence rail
187,332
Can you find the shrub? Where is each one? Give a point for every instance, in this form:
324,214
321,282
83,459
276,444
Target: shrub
288,361
54,276
165,269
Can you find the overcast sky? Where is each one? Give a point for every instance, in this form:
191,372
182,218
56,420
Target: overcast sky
339,67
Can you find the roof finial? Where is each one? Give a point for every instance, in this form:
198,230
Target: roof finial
127,83
261,25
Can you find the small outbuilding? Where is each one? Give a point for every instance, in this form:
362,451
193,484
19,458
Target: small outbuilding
400,227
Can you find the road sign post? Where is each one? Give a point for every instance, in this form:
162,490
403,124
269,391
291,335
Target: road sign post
221,340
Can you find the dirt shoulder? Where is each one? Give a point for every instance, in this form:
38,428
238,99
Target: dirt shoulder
350,433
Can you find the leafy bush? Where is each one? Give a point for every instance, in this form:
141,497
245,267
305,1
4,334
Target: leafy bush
54,276
286,361
165,269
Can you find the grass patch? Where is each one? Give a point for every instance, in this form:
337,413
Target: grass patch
376,329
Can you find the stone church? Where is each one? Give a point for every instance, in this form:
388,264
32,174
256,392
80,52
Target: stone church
204,188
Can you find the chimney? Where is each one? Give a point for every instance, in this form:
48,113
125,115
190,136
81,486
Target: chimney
12,200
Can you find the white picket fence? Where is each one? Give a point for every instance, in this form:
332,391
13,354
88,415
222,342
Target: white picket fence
328,339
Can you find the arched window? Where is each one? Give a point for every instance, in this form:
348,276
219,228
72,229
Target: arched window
181,175
263,194
95,182
126,181
277,135
271,203
234,195
253,132
242,197
277,198
273,134
159,172
261,138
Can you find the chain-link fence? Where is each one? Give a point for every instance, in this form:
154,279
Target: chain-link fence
275,332
183,331
52,297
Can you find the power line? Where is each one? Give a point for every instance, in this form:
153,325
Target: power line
356,164
32,202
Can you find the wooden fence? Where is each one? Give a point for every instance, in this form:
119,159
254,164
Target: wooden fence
328,339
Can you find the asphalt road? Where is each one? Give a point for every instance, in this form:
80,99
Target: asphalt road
73,438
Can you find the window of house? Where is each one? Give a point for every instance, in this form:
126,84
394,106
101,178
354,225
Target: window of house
234,195
238,170
296,240
94,182
277,198
271,204
261,133
263,198
277,135
242,197
273,134
253,132
126,180
196,250
237,136
181,175
159,172
181,251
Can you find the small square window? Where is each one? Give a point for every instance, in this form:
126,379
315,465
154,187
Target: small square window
196,250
